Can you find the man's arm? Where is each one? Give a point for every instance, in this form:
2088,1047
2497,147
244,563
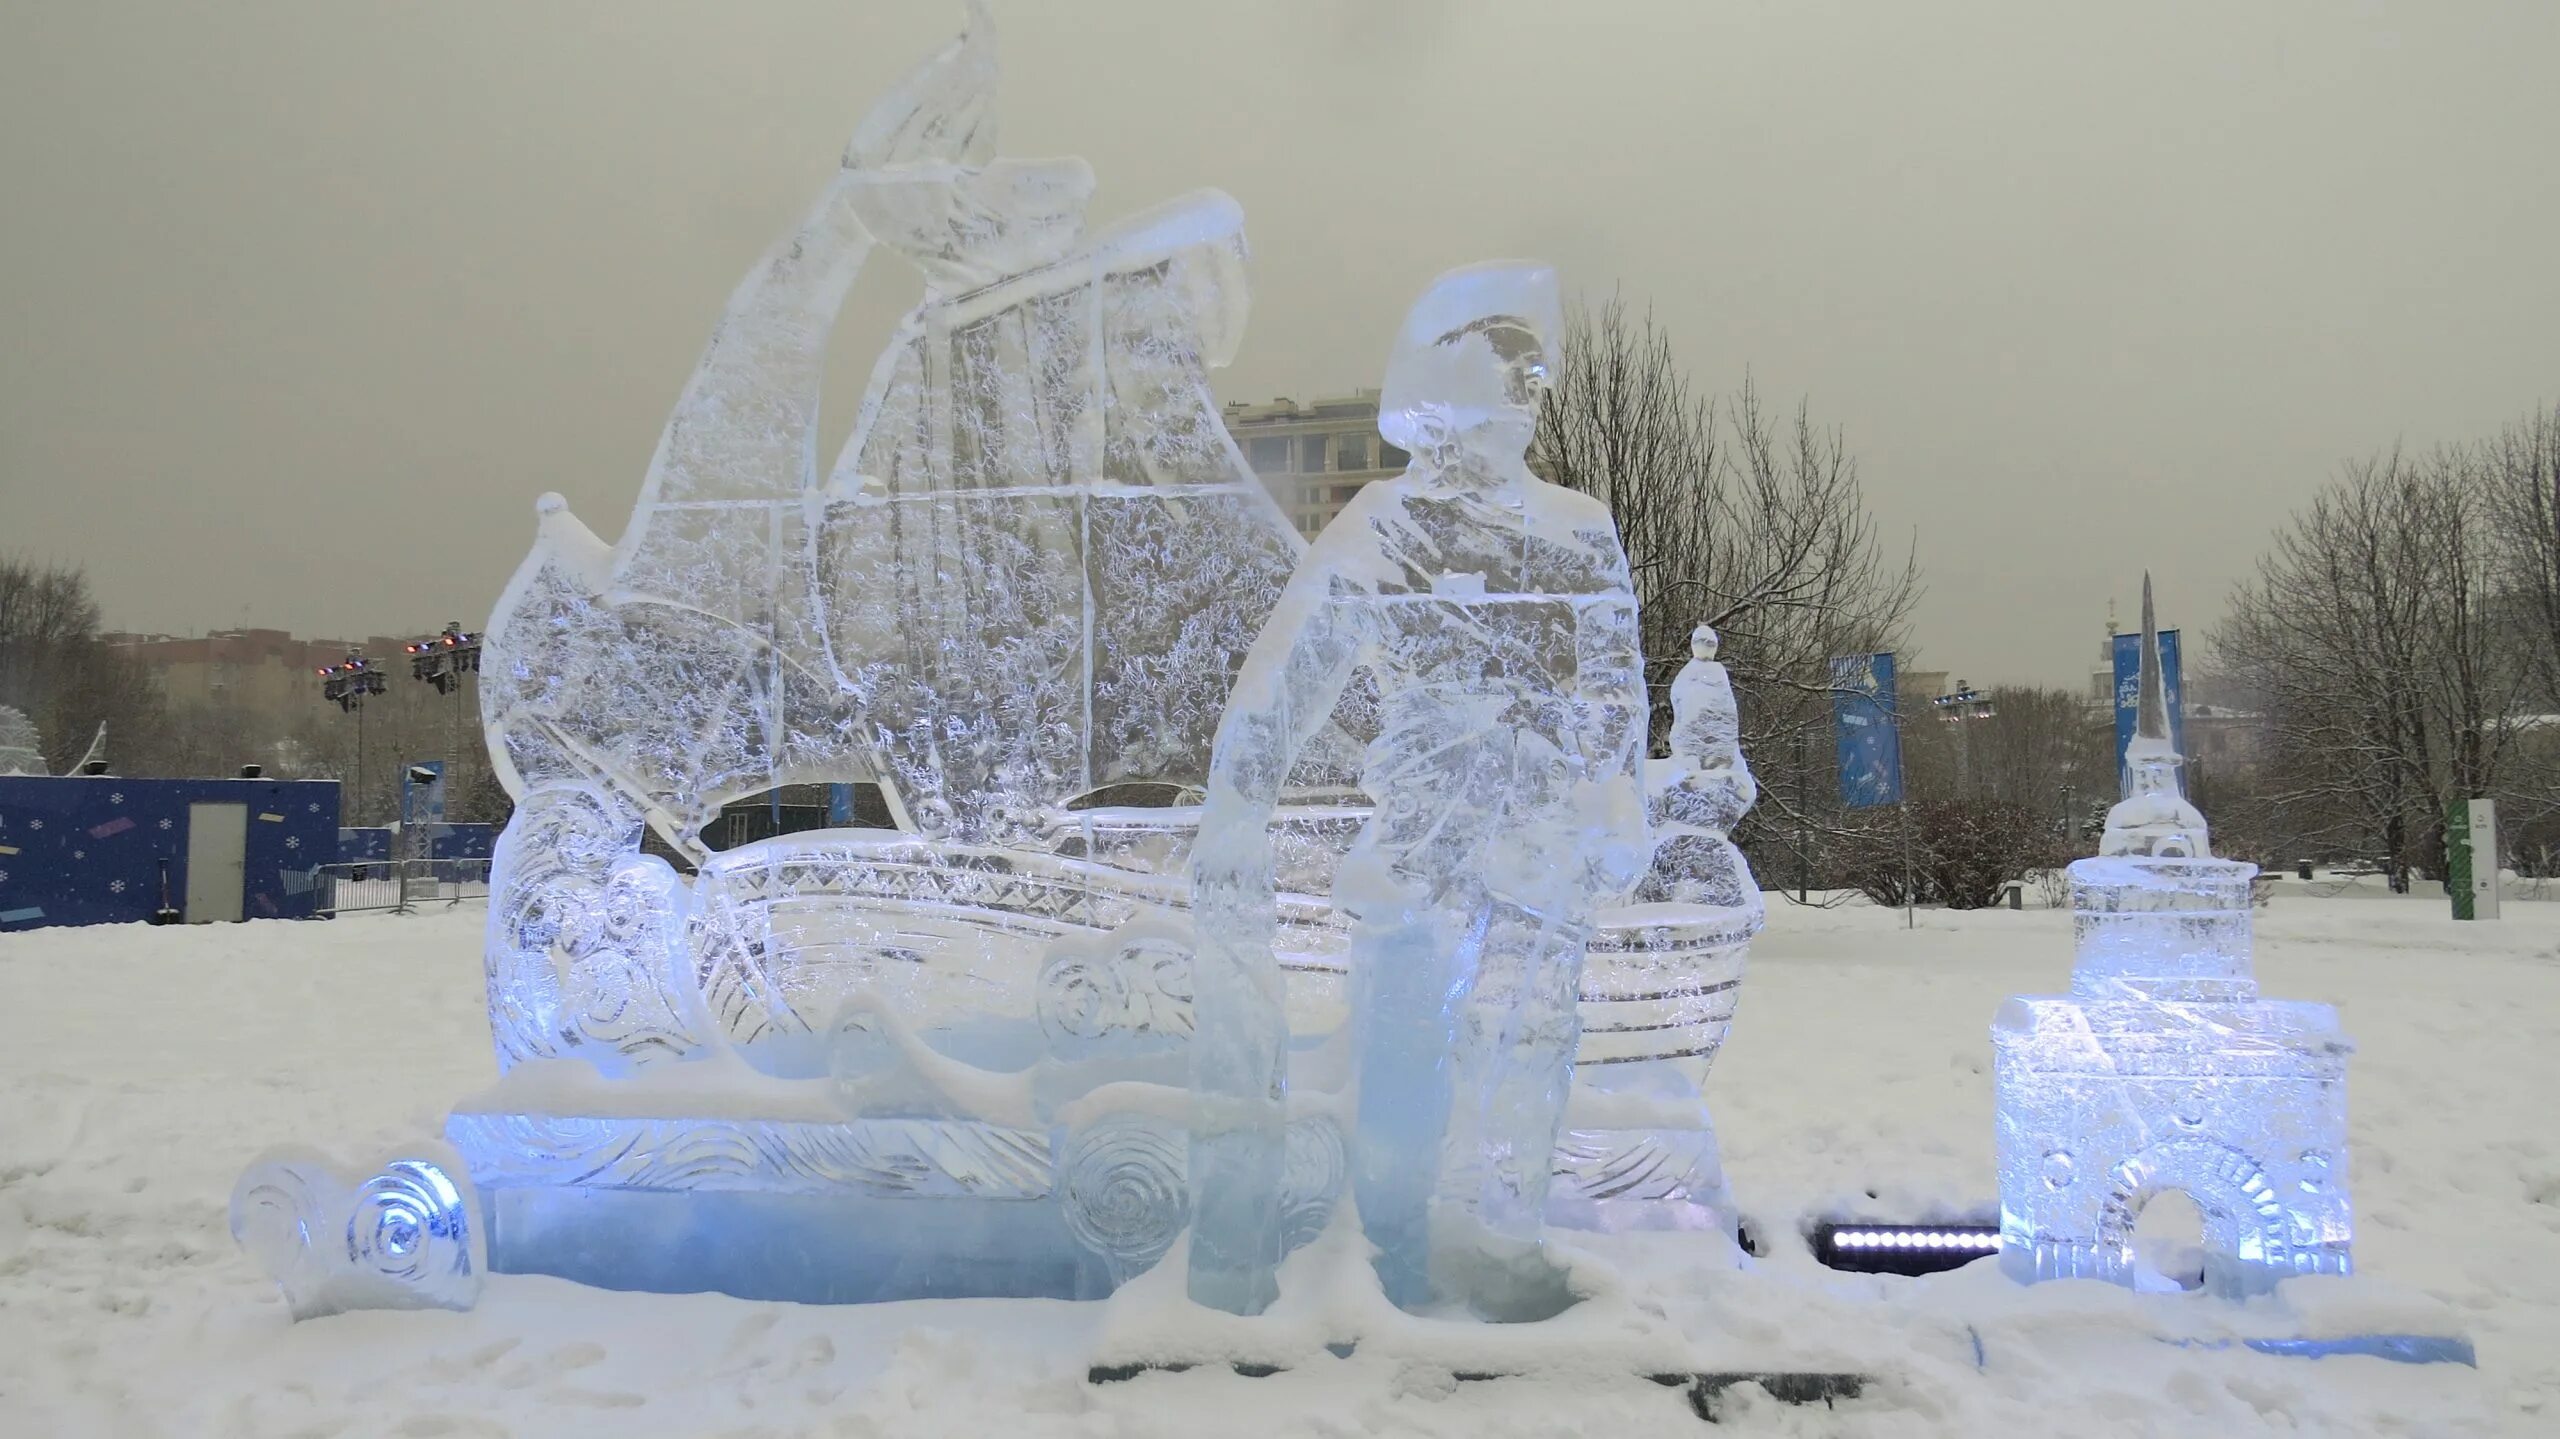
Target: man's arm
1291,679
1615,716
1240,1018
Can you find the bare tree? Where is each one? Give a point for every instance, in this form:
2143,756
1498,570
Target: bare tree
1735,519
56,669
2377,639
2518,474
2521,470
1962,852
2047,750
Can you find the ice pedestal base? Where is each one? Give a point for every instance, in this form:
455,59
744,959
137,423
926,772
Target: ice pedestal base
847,1248
838,1211
808,1209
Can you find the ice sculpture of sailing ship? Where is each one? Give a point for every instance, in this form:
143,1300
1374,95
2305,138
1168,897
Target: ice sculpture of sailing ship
948,1058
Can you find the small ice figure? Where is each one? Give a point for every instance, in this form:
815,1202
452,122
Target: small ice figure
1702,791
2163,1069
1495,614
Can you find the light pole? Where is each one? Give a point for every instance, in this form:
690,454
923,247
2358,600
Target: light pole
1958,708
442,659
347,683
1804,862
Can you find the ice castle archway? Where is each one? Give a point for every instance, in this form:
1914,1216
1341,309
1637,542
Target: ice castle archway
2242,1215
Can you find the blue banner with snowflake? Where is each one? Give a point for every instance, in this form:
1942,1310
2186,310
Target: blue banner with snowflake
2127,652
1863,717
99,849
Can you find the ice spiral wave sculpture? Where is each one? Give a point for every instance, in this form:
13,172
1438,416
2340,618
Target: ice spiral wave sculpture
1125,1194
399,1237
1127,1186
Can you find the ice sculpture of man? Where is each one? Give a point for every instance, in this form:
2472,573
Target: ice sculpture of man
1495,613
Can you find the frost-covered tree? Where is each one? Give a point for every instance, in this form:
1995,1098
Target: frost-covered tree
2381,640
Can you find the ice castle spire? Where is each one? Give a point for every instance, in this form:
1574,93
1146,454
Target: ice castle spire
2154,817
2151,720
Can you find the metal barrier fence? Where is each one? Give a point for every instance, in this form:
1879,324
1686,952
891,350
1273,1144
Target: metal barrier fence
400,885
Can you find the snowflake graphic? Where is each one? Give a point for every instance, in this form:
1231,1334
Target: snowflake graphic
79,854
293,841
4,876
115,886
164,824
116,798
35,824
315,806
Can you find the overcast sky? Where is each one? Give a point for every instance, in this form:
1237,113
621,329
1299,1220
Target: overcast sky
301,306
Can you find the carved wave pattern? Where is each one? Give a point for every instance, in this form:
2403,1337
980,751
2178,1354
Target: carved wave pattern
783,928
1651,1164
1126,1196
1128,984
1311,1185
890,1157
1124,1181
585,949
1659,981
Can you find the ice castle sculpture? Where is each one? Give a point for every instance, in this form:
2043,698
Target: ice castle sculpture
2163,1069
955,1056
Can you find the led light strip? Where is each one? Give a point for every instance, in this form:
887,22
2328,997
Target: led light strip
1978,1241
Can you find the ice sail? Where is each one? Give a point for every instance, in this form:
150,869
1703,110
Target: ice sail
1035,564
680,669
1041,556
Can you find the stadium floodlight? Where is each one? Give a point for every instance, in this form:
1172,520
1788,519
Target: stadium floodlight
444,658
347,682
1955,708
1964,703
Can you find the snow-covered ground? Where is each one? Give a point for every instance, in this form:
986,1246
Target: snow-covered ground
145,1066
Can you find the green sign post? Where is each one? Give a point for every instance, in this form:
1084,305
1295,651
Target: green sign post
2471,857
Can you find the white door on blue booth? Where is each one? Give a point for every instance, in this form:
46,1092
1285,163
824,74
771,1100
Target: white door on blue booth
217,861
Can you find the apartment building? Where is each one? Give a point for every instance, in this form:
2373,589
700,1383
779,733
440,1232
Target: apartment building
1314,456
